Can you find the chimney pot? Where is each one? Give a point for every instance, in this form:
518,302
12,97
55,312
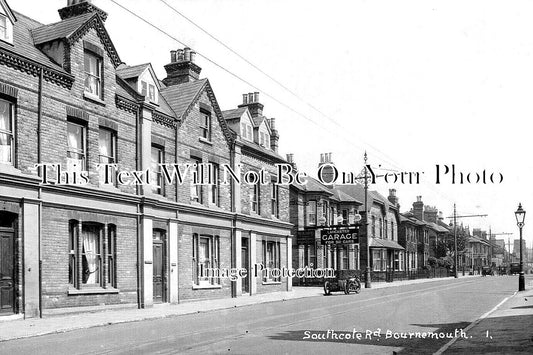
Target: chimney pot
290,157
172,56
250,98
187,54
179,55
272,123
244,98
193,56
256,96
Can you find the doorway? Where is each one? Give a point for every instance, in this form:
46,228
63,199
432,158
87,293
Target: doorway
245,264
7,263
159,289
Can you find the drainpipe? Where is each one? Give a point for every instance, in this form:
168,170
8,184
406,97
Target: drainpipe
39,120
140,303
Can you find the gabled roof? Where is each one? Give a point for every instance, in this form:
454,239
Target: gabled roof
128,72
259,120
23,42
342,196
183,97
23,55
260,151
8,11
234,114
356,191
314,185
73,29
61,29
180,97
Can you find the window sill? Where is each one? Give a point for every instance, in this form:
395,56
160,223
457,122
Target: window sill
203,140
93,98
91,291
271,282
205,287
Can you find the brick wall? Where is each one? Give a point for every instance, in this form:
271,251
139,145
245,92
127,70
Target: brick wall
55,259
190,145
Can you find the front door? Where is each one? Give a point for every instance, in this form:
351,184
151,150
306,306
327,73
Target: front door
7,274
158,272
245,264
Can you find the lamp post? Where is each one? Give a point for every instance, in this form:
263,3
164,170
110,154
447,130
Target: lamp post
520,215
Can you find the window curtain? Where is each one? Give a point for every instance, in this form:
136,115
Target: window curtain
90,257
106,147
75,147
92,78
5,138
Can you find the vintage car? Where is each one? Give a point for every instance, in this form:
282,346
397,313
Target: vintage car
487,270
345,280
514,268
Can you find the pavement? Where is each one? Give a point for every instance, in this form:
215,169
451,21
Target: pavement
506,329
505,325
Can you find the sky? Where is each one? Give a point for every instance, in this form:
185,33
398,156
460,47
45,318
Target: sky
415,84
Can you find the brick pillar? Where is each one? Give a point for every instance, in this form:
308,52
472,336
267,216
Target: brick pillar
237,242
30,220
253,260
148,262
173,256
289,259
103,258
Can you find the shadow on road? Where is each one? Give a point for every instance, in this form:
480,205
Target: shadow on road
421,341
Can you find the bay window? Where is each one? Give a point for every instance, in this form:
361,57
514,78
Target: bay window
93,74
311,213
77,146
7,137
379,259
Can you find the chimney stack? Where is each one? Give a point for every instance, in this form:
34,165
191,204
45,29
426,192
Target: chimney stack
392,197
251,100
181,68
80,7
418,208
274,137
290,160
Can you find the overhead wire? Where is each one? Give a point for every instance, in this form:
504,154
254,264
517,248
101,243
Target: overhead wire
384,156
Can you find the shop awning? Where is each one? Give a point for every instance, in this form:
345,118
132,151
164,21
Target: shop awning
384,243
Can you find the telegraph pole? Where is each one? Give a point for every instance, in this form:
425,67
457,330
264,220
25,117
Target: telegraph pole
455,216
368,282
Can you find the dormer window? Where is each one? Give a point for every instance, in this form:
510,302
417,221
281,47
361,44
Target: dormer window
93,74
264,139
144,88
151,93
246,131
3,27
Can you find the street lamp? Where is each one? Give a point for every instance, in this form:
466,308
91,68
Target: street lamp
520,217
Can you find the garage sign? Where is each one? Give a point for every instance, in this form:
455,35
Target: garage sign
339,236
